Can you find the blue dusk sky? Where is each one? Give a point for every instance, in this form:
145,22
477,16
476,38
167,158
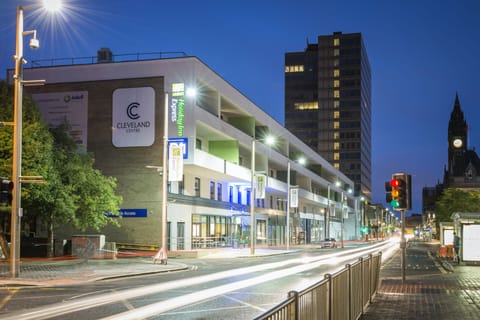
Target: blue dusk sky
421,52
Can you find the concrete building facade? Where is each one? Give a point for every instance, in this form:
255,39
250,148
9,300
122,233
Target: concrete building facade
117,110
328,103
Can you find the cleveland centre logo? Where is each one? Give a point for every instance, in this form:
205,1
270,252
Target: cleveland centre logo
133,111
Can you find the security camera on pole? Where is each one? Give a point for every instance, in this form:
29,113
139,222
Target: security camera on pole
399,195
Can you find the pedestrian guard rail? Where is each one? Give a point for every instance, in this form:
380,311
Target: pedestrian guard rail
339,296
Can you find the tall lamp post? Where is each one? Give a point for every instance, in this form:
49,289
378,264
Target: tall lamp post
252,201
165,174
17,132
288,206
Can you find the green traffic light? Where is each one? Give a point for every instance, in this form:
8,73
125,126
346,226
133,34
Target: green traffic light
395,203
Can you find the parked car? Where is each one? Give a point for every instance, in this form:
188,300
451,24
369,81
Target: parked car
328,243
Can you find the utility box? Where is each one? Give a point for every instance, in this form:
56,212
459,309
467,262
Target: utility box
88,246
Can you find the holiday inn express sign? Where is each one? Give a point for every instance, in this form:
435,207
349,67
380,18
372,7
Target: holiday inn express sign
177,107
133,117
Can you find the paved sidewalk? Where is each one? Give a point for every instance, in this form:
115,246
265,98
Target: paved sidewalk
62,271
430,291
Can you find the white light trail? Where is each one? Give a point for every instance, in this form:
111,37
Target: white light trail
59,309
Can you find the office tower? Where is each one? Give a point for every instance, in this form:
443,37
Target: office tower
328,103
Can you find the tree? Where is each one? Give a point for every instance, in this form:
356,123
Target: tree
74,191
456,200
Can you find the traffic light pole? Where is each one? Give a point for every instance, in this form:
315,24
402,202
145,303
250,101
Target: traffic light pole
403,246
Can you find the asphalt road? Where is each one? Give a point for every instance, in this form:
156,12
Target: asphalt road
239,288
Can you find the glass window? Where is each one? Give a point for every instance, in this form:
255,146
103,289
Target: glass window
336,83
336,72
219,191
336,41
239,196
197,187
198,144
212,190
336,93
306,105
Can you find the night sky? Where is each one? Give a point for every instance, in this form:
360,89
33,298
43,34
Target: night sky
422,52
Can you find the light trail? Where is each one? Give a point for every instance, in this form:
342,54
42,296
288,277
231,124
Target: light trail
170,304
59,309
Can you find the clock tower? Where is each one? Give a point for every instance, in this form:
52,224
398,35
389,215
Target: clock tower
457,139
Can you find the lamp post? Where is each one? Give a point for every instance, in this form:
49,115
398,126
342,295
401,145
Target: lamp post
327,214
165,174
16,213
288,206
252,201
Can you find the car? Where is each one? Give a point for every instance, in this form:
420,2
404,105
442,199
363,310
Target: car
328,243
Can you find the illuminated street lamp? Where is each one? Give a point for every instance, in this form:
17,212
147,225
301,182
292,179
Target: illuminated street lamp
17,133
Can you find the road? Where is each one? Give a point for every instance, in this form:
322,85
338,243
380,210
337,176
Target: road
239,288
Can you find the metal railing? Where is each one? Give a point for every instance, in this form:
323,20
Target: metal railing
115,58
339,296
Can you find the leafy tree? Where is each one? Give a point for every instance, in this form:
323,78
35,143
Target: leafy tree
74,191
456,200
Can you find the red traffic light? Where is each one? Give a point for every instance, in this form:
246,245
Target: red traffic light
395,183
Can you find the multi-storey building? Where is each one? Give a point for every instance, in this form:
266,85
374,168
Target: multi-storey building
328,103
117,112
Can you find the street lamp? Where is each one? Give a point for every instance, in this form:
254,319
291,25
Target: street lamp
165,174
269,140
190,92
287,224
17,132
252,200
343,213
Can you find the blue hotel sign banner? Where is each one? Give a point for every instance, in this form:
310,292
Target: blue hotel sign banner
182,143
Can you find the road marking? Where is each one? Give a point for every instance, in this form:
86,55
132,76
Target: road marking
9,296
245,303
301,264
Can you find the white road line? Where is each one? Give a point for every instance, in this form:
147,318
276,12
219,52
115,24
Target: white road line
59,309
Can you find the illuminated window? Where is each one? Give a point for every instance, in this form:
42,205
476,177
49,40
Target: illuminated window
336,135
295,68
336,104
336,124
336,146
336,83
306,105
336,42
336,156
336,52
337,166
219,192
336,93
212,190
336,72
336,114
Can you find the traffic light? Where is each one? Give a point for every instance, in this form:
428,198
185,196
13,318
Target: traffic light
399,191
6,188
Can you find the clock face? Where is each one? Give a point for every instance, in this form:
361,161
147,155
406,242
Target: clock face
457,143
